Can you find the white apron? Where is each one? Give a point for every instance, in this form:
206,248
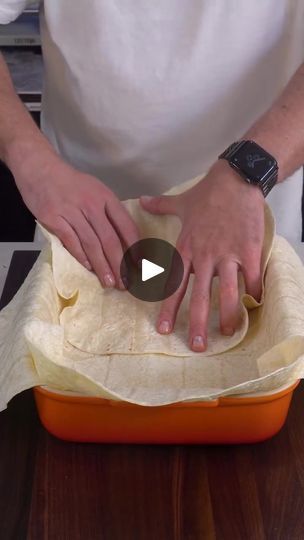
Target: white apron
145,95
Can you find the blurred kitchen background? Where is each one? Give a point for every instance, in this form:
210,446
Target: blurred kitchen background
21,47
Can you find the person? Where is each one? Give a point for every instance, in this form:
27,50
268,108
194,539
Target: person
140,96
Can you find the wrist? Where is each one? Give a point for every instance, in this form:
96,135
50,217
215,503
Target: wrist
27,156
231,181
223,179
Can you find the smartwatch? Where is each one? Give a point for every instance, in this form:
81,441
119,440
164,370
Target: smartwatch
253,164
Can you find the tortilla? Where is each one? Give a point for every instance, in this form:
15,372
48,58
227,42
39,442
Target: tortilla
104,321
61,316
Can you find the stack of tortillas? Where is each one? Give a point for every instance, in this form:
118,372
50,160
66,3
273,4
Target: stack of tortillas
64,330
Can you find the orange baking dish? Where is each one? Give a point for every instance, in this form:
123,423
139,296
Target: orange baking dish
227,420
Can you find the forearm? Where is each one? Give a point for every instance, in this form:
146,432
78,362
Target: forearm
20,138
280,130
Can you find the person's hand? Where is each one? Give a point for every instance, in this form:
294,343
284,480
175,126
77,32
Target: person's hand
85,215
222,232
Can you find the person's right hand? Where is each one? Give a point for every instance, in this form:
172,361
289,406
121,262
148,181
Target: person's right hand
86,216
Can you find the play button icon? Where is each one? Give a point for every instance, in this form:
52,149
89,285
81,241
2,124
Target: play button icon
152,269
149,270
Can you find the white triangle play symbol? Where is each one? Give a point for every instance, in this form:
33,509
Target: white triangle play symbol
150,270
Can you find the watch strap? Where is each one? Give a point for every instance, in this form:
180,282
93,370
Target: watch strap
232,149
265,184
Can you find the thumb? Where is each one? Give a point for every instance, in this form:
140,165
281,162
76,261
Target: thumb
165,204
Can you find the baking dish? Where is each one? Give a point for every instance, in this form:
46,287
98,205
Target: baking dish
227,420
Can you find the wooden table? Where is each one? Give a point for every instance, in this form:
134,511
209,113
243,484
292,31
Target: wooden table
51,489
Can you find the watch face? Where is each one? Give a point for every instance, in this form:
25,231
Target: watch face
253,161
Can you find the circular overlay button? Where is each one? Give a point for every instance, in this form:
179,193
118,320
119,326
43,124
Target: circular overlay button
152,269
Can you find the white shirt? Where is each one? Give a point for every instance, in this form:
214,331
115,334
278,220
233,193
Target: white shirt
145,95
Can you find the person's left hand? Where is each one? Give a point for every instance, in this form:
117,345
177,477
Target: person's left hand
222,232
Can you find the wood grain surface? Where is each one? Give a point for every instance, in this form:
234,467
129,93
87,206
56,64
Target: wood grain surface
55,490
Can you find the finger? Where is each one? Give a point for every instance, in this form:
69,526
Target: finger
120,218
166,204
252,273
70,240
199,307
91,245
170,306
111,245
228,296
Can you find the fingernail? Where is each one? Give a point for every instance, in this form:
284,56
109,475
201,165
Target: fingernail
198,343
164,327
146,198
109,280
87,265
228,331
